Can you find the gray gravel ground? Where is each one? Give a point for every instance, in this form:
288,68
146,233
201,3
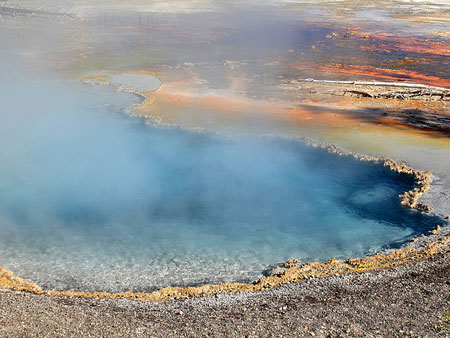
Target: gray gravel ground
411,300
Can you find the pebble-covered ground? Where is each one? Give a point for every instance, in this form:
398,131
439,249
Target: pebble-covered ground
410,300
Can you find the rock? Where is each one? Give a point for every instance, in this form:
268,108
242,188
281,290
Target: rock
277,271
437,230
292,263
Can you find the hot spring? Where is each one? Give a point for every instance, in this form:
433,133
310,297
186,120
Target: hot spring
91,199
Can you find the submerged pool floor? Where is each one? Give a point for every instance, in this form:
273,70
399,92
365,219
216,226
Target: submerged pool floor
93,200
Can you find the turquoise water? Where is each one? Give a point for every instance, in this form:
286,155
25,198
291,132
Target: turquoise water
91,199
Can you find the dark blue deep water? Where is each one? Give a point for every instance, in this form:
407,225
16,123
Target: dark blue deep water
91,199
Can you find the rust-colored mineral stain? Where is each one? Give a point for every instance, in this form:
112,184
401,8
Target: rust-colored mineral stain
376,72
380,41
174,104
176,97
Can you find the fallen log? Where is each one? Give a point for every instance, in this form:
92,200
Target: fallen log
377,83
17,11
411,91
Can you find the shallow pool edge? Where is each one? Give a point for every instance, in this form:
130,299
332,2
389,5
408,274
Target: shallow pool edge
293,271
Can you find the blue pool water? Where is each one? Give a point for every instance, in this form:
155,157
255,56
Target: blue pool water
91,199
